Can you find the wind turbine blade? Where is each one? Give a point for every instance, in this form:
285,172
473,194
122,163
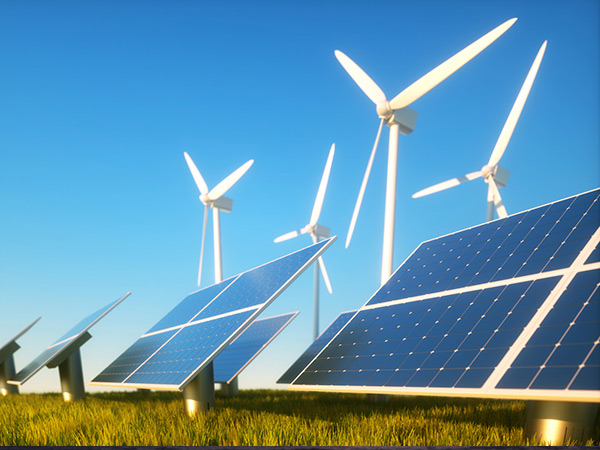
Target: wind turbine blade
447,184
202,245
515,112
363,186
447,68
497,199
325,276
286,236
202,187
363,80
220,189
316,212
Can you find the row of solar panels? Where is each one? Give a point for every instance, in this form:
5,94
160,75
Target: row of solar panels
510,308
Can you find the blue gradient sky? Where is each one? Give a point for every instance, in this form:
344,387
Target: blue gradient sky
101,99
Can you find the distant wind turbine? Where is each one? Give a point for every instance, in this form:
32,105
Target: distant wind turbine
316,232
401,119
216,200
494,174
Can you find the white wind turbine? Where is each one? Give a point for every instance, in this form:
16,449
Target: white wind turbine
216,200
316,232
401,119
493,174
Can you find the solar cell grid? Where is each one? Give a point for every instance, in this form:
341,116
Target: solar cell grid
543,239
204,324
507,309
247,346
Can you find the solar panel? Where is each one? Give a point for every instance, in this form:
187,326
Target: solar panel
315,347
62,345
187,339
248,345
507,309
11,345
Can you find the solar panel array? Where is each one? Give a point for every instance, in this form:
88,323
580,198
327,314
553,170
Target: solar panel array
63,344
316,347
188,338
248,345
505,309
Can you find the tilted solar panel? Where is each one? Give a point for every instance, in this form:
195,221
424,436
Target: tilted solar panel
315,347
187,339
505,309
11,346
248,345
63,343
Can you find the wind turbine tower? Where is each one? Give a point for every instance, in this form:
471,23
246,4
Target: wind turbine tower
493,173
317,232
401,119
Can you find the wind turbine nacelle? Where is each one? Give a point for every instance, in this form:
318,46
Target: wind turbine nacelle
501,176
406,118
223,204
321,231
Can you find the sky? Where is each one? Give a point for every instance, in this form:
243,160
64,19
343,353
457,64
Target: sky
101,98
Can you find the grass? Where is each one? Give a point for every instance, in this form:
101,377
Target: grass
262,417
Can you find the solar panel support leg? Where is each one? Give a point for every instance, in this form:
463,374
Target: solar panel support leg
230,389
199,394
7,371
554,423
71,378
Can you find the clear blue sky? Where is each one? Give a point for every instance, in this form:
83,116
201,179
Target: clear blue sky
101,98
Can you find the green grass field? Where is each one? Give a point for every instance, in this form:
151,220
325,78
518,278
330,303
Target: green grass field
262,417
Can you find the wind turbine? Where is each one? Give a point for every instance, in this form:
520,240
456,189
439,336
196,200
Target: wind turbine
401,119
316,232
216,200
494,174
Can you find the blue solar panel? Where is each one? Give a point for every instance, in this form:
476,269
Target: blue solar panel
204,324
190,306
461,337
315,347
539,240
247,346
563,352
185,354
62,344
507,309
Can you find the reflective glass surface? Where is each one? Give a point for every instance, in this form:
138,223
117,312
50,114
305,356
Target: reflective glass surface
38,363
314,349
540,240
563,353
191,346
190,306
256,286
247,346
133,357
445,341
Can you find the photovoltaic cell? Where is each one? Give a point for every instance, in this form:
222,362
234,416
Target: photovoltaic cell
316,347
188,338
539,240
247,346
11,346
508,309
563,352
62,344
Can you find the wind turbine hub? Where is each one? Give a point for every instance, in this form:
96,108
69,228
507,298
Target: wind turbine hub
384,110
486,171
204,199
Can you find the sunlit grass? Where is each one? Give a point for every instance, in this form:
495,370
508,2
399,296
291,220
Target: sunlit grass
261,417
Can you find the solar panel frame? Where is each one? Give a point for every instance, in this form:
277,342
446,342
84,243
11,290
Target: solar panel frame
254,310
489,389
62,345
257,351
